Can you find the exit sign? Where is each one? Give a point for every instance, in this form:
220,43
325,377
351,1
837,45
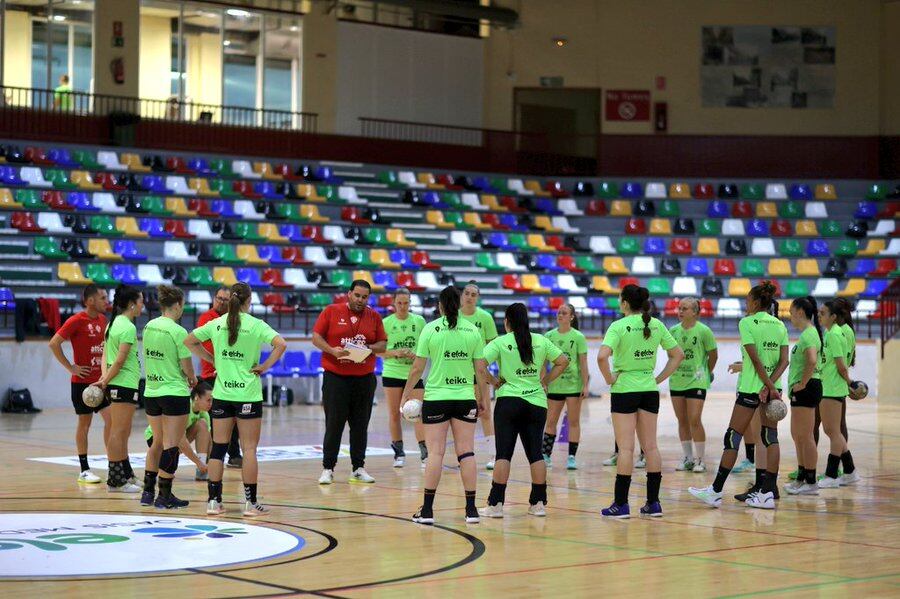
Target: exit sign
553,81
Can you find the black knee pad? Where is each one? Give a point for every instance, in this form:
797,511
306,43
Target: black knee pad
460,458
733,439
168,461
769,435
219,450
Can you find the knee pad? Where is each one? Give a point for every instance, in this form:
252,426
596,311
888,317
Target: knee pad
732,439
219,450
769,435
460,458
168,461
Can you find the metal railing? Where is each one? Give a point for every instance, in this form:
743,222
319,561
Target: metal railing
889,313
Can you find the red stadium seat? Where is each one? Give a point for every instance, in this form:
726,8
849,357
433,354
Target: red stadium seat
295,255
781,228
55,200
286,173
315,234
568,262
557,302
201,207
277,303
625,281
706,308
493,221
177,164
556,189
245,188
513,283
512,204
704,191
108,181
681,247
636,226
557,242
24,221
353,215
741,209
724,266
273,277
37,156
422,258
671,308
408,280
178,229
884,267
596,208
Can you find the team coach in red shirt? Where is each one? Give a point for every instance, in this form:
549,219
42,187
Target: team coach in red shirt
348,388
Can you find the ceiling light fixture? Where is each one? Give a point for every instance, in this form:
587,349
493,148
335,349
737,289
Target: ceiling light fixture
560,41
236,12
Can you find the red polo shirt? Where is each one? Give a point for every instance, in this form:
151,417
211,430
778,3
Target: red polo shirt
87,337
207,369
338,325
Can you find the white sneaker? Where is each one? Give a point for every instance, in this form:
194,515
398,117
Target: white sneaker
126,488
707,495
137,483
399,462
829,483
849,479
808,489
492,511
327,477
793,488
490,464
611,460
699,466
361,476
252,510
686,464
88,478
641,462
538,509
214,508
761,500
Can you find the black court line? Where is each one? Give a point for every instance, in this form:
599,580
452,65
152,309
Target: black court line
266,584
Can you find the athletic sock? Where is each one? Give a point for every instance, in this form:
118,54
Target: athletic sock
769,482
831,469
497,494
688,450
129,473
470,502
397,446
654,480
538,493
615,447
113,479
250,492
203,458
150,480
573,448
215,490
750,449
760,474
847,461
699,450
801,474
811,476
721,477
428,502
547,444
165,487
623,484
423,450
82,457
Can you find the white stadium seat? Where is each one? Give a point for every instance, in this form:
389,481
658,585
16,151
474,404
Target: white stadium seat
776,191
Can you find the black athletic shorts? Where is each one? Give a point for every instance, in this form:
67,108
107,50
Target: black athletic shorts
442,410
117,394
516,418
840,399
809,396
392,383
78,402
748,400
167,405
235,409
630,403
689,393
563,396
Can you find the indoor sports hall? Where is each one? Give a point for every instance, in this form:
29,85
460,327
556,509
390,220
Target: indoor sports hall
487,298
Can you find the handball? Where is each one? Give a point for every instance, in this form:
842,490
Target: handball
412,410
858,390
776,410
92,396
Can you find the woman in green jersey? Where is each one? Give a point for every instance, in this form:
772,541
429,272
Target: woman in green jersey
835,388
167,395
402,329
632,342
121,374
196,430
521,409
764,349
237,338
484,322
805,388
571,388
455,350
689,384
845,319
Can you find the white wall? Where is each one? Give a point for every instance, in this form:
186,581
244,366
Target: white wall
407,75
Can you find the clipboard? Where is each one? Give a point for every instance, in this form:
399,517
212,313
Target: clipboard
358,353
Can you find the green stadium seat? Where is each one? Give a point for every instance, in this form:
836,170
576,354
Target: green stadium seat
48,248
847,248
104,226
288,211
388,178
790,248
753,191
589,265
156,205
360,257
247,231
659,287
518,240
710,227
668,208
751,267
456,220
87,159
341,278
225,253
796,288
608,190
502,187
30,199
613,303
453,200
327,192
59,179
223,188
831,228
222,167
319,300
376,236
486,261
876,192
99,273
790,210
628,246
201,277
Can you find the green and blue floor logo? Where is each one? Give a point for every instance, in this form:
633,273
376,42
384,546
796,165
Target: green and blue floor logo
37,544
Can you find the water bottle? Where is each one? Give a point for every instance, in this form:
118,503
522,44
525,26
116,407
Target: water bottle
282,396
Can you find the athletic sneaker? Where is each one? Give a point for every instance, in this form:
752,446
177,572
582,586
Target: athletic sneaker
88,478
170,503
654,510
147,498
327,477
751,489
829,483
622,512
699,466
548,462
685,465
360,476
743,466
472,516
707,495
214,508
539,509
237,462
611,460
200,475
641,462
399,461
492,511
252,510
126,488
571,463
808,489
420,517
490,464
794,487
849,479
762,500
793,475
137,483
840,474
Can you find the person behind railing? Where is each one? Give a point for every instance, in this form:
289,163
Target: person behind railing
173,109
62,95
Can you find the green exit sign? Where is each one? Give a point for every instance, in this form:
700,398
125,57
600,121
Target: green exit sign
553,81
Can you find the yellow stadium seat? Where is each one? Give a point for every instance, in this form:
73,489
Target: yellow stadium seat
660,226
708,246
854,287
806,228
436,218
614,265
70,272
680,191
366,276
825,191
248,254
311,213
472,218
490,202
7,200
201,186
532,283
84,181
779,267
428,180
133,162
265,169
873,247
305,190
739,287
620,208
600,283
224,275
129,226
532,185
178,207
382,259
398,238
784,308
808,267
766,210
536,240
102,250
270,232
544,222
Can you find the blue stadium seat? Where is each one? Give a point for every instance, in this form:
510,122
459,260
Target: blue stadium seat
697,267
717,209
654,246
7,300
550,282
402,258
125,273
483,184
155,183
862,267
499,240
272,254
294,233
314,364
547,207
817,248
200,165
548,262
295,364
875,288
267,190
599,304
512,221
224,208
62,157
128,250
757,228
631,191
385,279
866,210
539,304
154,228
433,199
250,276
80,200
800,192
10,176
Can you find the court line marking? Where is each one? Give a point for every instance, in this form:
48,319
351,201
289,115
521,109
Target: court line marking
807,586
261,583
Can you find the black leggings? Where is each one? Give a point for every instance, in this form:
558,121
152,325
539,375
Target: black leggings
515,417
347,400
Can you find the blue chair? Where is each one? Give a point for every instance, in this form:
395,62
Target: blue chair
155,183
499,240
548,262
224,208
862,268
272,254
7,300
294,233
385,279
631,191
697,267
278,370
817,248
128,250
314,365
511,221
80,200
483,184
599,303
295,363
201,166
154,228
125,273
875,288
10,176
757,228
62,157
325,174
654,246
402,258
550,282
717,209
547,207
538,304
379,366
866,210
251,277
433,199
267,190
800,192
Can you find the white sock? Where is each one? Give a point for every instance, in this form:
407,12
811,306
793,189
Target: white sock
701,450
686,448
203,458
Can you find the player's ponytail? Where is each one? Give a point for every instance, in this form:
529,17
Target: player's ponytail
240,294
449,301
764,295
168,296
638,299
517,317
810,310
125,295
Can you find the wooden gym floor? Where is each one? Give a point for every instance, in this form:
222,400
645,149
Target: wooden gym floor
359,541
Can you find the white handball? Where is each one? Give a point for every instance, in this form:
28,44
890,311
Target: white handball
412,410
92,396
858,390
776,410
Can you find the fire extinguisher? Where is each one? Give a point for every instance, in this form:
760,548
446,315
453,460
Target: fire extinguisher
117,68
